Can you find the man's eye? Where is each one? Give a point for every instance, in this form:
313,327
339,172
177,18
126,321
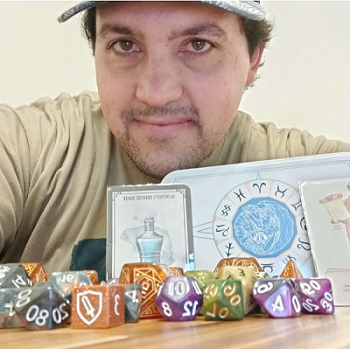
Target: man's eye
126,46
198,46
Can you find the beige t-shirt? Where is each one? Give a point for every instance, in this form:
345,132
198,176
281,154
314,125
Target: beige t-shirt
57,158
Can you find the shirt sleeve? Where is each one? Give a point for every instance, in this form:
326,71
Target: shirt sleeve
15,165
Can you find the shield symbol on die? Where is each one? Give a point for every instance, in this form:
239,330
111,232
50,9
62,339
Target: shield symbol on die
89,306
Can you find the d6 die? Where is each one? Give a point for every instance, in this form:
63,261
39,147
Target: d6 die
223,300
278,297
179,298
316,296
98,306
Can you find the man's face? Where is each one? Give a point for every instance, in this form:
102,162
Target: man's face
170,77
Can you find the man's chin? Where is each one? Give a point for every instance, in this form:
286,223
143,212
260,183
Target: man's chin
160,167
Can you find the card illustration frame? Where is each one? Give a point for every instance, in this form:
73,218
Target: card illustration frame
128,208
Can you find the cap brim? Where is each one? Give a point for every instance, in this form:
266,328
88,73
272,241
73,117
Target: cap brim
246,9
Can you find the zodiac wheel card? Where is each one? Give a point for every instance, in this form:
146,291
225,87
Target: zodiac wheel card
255,210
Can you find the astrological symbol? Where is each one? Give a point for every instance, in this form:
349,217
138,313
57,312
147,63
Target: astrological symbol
225,210
269,266
283,192
296,205
229,248
303,224
288,258
259,186
221,229
240,195
302,243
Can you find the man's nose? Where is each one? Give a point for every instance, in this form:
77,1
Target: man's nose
159,82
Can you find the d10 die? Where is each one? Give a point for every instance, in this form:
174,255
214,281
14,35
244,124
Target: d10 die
239,262
98,306
223,300
248,277
150,276
14,275
179,298
8,315
316,296
133,298
66,281
278,297
42,308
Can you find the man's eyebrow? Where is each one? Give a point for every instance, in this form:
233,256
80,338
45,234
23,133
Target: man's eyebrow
115,29
200,29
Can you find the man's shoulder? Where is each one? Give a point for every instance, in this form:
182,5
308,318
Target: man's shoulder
85,98
264,140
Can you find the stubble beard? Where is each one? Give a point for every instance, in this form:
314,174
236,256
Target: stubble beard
166,154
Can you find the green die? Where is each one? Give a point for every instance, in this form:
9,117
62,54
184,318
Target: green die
223,300
262,275
201,276
248,277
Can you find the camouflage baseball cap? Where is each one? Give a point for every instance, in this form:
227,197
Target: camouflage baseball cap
246,9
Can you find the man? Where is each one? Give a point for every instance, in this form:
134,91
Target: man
170,78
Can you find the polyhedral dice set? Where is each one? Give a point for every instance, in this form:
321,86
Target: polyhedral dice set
236,288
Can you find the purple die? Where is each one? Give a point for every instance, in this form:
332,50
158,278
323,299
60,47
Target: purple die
179,298
316,296
278,297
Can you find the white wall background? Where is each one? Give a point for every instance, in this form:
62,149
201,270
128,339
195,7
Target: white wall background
305,81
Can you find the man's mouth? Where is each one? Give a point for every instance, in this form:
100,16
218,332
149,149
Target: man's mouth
164,127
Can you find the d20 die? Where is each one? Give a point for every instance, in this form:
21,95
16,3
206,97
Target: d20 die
223,300
278,297
316,296
149,276
179,298
42,308
14,275
248,277
35,272
98,306
239,262
8,315
66,281
133,298
291,271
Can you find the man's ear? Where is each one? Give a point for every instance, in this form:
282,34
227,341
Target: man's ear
255,60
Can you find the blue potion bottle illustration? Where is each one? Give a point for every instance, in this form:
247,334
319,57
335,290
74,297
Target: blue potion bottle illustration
149,244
